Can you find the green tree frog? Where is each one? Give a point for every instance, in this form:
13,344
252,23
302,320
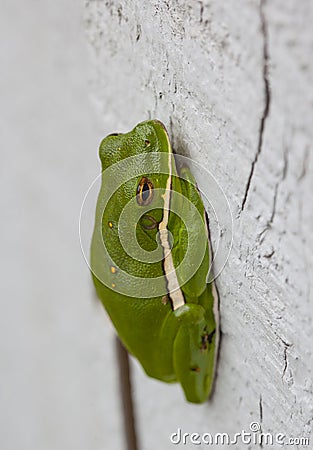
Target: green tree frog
150,257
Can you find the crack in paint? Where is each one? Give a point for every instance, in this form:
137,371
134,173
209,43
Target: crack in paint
305,164
267,101
261,418
201,11
270,221
285,361
286,348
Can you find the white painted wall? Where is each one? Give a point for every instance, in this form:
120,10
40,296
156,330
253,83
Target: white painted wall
58,389
203,68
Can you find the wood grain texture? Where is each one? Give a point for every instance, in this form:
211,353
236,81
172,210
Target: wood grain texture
232,81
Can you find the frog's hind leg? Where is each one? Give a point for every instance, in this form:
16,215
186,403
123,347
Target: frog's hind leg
194,352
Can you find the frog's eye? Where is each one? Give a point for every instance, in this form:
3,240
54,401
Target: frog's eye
144,192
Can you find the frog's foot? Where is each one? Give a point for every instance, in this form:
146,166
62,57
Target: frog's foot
194,352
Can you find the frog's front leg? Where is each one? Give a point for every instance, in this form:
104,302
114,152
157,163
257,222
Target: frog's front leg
194,352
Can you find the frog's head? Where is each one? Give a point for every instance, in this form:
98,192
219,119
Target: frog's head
143,156
147,137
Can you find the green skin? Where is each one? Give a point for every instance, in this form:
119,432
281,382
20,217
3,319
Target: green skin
172,345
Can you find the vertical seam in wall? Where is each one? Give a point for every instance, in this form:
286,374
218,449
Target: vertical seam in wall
126,396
